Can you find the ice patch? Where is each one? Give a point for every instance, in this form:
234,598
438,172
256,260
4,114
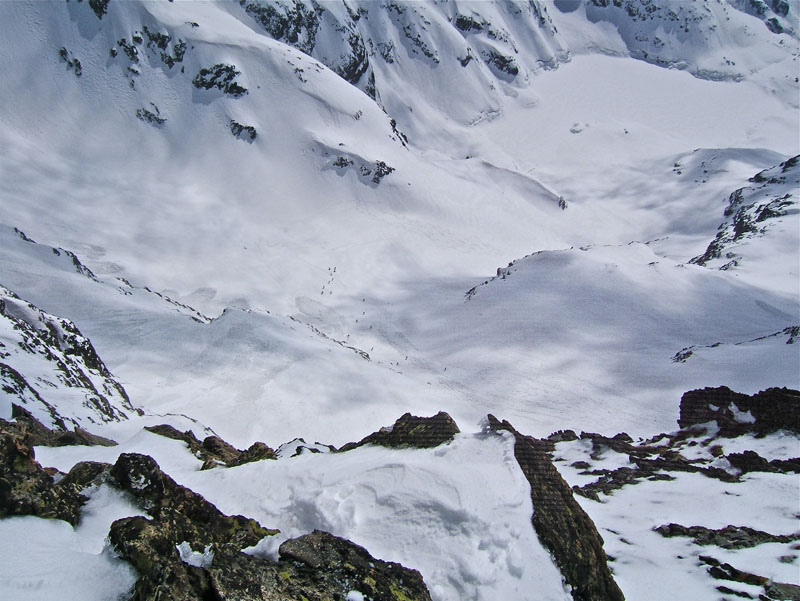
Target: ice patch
742,417
195,558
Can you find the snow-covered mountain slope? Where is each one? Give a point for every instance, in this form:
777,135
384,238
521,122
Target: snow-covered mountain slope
712,40
767,207
51,370
285,219
285,207
174,360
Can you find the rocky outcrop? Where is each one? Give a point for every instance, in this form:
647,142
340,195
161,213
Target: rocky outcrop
750,461
561,524
730,537
185,548
179,515
191,550
648,462
751,211
27,489
34,433
322,563
214,451
412,431
779,591
735,413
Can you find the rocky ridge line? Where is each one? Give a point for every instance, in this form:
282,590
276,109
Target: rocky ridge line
561,524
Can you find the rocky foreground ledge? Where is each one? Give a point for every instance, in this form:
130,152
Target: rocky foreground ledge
182,547
186,549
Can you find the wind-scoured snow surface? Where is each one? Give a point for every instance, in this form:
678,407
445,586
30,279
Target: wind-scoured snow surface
307,230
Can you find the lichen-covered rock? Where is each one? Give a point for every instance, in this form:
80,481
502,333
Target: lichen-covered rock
561,524
735,413
412,431
151,547
161,497
27,489
328,564
179,516
189,550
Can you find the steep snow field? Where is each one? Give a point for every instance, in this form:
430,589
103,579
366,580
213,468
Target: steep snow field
472,207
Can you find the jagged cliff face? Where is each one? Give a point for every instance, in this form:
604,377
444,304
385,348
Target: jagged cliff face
53,371
475,49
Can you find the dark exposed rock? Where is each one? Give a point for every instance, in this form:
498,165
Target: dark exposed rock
381,171
151,547
73,64
779,591
163,498
767,411
503,63
222,572
729,591
782,591
27,489
412,431
561,524
85,473
562,436
171,432
609,482
34,433
343,565
257,451
214,451
649,462
730,537
298,24
148,116
190,550
81,437
468,23
725,571
649,469
736,414
220,76
219,449
750,461
243,132
751,206
621,443
100,7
